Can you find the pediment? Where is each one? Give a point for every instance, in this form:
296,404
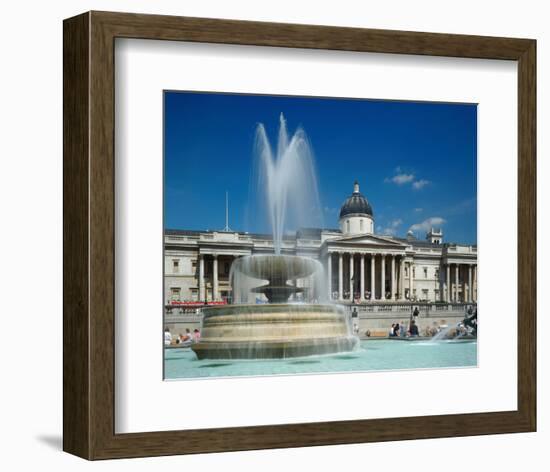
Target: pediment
366,240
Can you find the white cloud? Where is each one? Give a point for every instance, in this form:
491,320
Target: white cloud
418,210
419,184
427,224
401,178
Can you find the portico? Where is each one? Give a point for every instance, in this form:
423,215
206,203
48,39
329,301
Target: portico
368,269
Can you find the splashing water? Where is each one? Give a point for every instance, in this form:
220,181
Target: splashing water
286,182
445,333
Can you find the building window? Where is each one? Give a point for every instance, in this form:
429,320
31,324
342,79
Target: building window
347,226
176,265
361,225
414,272
194,264
425,272
175,293
436,273
425,294
406,271
194,294
226,268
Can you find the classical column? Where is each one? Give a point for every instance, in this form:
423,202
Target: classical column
362,295
329,275
372,276
470,283
201,278
401,292
448,284
456,283
441,284
465,286
383,277
475,283
392,281
351,276
411,282
215,295
340,277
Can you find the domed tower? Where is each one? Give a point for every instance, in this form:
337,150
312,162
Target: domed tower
356,214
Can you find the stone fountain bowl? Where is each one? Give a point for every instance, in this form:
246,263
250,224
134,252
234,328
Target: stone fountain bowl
274,331
276,267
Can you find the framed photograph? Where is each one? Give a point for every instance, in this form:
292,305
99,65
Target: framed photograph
282,235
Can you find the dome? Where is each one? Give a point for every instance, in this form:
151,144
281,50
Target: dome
356,203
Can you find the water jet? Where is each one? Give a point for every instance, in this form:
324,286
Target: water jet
294,318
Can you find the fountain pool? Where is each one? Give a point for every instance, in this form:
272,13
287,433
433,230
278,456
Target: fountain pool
372,355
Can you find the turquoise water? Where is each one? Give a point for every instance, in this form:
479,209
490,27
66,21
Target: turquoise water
372,355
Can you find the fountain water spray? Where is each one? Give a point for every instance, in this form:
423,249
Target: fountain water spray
281,327
286,182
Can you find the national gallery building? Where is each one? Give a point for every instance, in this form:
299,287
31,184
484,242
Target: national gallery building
362,267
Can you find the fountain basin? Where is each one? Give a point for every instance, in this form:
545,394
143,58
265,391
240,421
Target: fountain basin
277,270
274,331
268,266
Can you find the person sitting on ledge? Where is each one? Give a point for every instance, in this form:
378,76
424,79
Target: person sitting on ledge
167,337
188,336
392,330
413,330
396,330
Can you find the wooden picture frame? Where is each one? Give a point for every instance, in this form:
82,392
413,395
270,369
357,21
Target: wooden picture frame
88,235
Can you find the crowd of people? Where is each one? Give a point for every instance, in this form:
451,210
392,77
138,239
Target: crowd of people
400,330
465,328
183,339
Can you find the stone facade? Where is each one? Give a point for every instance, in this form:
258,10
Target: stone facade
361,267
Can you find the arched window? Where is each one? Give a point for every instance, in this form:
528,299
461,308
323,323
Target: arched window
361,225
347,226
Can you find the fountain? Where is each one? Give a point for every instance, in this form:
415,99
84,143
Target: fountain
452,332
280,305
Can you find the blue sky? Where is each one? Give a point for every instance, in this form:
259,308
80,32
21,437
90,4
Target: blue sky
415,161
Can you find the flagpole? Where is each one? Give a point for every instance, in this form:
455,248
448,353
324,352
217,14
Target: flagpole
227,228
